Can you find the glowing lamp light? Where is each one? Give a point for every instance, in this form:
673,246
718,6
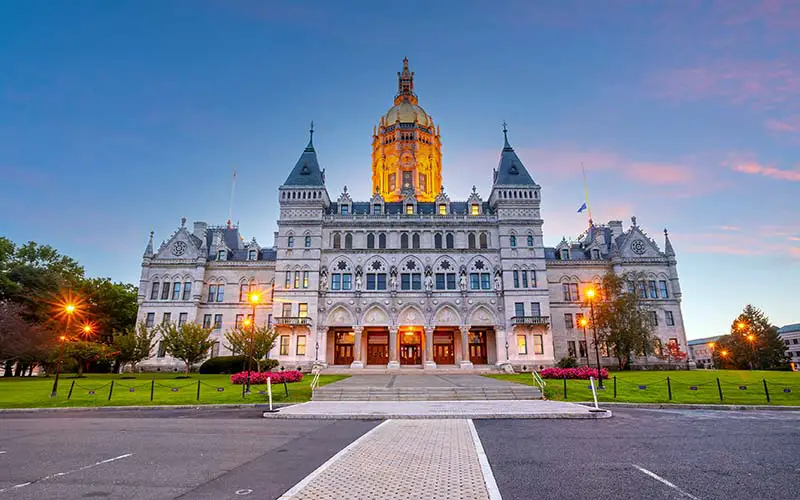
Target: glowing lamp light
62,338
87,328
584,321
741,325
246,322
254,298
590,293
751,337
723,353
69,308
711,345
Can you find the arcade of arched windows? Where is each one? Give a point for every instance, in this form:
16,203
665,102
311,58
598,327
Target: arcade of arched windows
410,240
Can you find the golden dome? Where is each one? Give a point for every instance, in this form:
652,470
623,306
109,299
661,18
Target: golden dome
407,112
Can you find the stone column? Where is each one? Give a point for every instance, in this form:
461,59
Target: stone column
429,362
393,361
465,361
357,362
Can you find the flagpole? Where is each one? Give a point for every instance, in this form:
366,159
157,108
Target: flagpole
586,189
230,205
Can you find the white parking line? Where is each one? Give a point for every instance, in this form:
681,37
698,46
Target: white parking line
1,452
662,480
59,474
488,475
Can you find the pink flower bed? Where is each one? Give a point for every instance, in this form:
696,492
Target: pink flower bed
573,373
261,377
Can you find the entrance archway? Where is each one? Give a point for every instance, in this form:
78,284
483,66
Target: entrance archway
377,346
410,345
444,346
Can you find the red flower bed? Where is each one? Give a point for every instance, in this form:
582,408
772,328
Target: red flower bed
582,373
261,377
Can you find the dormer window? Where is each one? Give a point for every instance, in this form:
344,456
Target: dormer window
564,254
221,255
595,254
252,255
409,209
376,209
476,209
442,209
344,210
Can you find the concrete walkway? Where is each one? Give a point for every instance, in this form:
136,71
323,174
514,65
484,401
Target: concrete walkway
362,410
413,380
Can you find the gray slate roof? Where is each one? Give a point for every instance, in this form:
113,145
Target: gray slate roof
702,341
794,327
306,172
511,171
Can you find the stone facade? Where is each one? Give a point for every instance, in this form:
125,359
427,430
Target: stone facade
405,279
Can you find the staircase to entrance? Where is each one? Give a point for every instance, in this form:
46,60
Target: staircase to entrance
402,387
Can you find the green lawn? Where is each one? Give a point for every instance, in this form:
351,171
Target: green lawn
93,390
697,386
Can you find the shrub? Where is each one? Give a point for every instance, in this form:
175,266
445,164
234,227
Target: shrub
269,364
582,373
261,378
223,364
567,362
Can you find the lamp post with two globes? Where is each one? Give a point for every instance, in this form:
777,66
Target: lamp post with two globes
591,294
254,298
68,310
583,322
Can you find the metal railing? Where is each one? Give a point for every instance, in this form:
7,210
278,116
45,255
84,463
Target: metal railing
530,320
315,381
292,320
538,381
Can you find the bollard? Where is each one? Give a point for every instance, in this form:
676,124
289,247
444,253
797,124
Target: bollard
669,389
286,388
110,390
152,388
719,388
615,387
198,390
70,389
565,387
766,391
243,388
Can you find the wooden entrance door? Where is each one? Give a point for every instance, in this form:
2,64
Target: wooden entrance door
343,348
443,351
377,348
477,348
411,348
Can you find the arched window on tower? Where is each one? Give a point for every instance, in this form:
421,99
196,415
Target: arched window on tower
513,241
450,240
348,240
370,240
415,240
437,240
484,240
530,240
471,240
404,240
337,240
382,240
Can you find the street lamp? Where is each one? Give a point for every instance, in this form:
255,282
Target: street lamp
711,348
254,298
752,339
583,322
68,311
590,294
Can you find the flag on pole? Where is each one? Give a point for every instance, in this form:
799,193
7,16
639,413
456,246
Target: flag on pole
583,207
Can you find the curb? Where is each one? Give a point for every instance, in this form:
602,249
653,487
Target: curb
461,416
140,408
690,406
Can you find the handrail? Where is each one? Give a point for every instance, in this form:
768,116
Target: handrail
530,320
315,381
538,380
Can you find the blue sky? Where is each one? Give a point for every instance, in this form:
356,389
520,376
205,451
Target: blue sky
117,118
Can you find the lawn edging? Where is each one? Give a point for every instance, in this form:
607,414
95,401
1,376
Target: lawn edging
143,407
692,406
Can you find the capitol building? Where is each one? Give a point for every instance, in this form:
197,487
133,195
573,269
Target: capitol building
405,276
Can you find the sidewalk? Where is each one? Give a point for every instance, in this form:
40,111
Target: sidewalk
363,410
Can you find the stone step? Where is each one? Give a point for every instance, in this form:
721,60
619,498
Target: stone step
426,394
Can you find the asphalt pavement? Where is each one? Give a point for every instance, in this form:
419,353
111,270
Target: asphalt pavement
234,453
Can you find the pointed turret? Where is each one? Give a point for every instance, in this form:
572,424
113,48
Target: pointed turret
148,252
307,172
668,250
511,171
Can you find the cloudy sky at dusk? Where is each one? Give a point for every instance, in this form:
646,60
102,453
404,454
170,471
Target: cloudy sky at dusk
117,118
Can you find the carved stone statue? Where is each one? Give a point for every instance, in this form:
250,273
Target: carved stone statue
323,282
462,282
393,281
428,283
358,282
498,282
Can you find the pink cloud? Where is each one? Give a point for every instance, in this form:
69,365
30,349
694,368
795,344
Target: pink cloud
757,241
754,168
789,125
660,173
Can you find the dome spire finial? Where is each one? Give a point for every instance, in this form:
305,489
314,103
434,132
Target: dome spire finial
506,145
310,146
405,85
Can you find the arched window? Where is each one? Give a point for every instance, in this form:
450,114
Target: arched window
337,240
450,240
471,240
484,240
382,240
415,240
513,240
437,240
251,255
404,240
530,240
308,241
370,240
290,242
348,240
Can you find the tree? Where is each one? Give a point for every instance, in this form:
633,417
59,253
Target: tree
264,340
84,352
672,351
22,341
134,345
188,342
113,306
753,342
623,323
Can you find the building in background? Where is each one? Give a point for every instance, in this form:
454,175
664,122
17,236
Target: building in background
407,276
701,351
790,334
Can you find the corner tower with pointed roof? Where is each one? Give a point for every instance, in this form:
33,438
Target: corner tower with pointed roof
406,147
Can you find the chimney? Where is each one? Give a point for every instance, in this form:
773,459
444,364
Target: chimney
200,229
616,228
